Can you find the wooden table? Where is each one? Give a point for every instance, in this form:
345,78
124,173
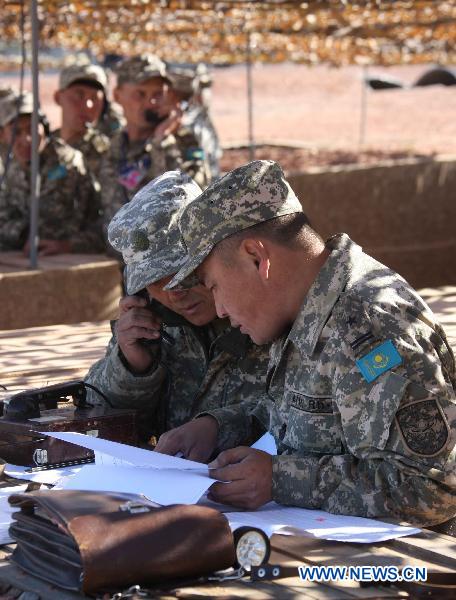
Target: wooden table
436,552
36,356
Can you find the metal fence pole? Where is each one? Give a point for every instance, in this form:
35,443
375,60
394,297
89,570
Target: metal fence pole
35,165
363,112
250,97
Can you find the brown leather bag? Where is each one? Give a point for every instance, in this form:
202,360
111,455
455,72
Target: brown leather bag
89,540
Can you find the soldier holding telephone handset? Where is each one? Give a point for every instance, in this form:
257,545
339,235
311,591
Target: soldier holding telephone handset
194,361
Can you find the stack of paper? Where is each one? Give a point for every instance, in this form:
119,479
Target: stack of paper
121,468
171,480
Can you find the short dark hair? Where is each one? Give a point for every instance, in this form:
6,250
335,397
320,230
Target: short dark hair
292,231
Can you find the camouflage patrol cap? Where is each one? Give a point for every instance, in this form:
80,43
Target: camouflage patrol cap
140,68
249,195
12,105
83,72
6,92
182,78
146,232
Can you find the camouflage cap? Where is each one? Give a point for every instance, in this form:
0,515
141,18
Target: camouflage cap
6,92
140,68
249,195
12,105
182,78
146,229
82,72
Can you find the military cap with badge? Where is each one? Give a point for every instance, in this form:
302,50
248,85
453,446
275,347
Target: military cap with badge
218,212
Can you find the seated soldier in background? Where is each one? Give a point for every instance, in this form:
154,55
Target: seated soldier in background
147,146
82,98
6,93
190,86
361,382
69,219
200,362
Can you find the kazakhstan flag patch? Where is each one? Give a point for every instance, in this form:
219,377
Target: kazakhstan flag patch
380,359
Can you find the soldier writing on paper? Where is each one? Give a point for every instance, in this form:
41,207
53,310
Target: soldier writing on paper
360,389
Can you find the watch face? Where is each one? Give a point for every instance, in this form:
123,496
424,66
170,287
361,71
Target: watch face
251,549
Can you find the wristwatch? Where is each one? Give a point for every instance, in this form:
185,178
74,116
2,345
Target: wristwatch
252,547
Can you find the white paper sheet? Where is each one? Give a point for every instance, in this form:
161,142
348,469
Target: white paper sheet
266,443
169,479
6,511
164,486
273,518
129,455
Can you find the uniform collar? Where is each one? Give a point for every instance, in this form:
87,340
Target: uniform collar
233,341
324,293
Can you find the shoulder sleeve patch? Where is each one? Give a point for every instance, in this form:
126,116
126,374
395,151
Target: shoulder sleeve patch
423,426
194,154
57,172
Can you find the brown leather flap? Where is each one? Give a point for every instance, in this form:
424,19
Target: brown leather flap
119,548
166,543
61,506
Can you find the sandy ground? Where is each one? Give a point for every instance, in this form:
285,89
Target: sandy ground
320,108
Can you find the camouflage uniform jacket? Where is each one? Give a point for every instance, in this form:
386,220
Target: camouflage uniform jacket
128,166
69,206
379,449
197,119
92,145
207,367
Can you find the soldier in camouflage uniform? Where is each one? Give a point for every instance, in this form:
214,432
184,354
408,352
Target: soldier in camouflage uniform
195,361
69,205
360,389
82,98
190,87
6,94
146,147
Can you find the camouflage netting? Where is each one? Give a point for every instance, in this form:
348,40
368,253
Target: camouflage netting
332,31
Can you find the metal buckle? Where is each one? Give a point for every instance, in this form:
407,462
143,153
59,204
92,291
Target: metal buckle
132,592
134,507
228,575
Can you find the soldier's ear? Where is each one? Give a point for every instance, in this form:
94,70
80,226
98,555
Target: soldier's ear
57,97
258,254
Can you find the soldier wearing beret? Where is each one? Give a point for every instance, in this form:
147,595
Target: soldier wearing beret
150,143
69,209
361,381
82,98
171,358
